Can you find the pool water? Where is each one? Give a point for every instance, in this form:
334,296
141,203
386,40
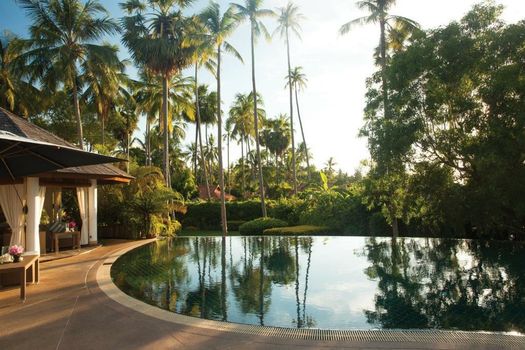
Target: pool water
333,282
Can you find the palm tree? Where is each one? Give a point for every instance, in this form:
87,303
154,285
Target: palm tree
298,80
289,18
63,35
204,55
398,28
150,102
252,11
378,13
16,94
158,41
105,80
219,28
227,136
242,123
276,137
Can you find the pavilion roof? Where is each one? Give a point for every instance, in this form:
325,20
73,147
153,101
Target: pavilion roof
104,173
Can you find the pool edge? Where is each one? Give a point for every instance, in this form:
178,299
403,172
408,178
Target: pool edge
105,283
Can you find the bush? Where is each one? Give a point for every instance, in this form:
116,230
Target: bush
297,230
257,226
233,225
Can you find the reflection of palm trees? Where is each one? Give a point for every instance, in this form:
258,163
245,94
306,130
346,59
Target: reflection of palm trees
223,279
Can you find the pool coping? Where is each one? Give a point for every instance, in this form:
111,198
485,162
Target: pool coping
106,284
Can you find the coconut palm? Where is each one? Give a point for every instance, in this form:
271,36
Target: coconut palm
203,56
253,11
149,97
158,41
378,13
105,81
289,18
297,80
16,94
276,137
63,34
227,136
242,123
219,27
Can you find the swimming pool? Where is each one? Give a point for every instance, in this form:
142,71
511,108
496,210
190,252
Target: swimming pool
357,283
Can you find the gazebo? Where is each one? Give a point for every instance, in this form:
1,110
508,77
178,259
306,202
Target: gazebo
31,191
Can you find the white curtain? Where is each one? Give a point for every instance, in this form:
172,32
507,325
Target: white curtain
41,200
13,207
82,196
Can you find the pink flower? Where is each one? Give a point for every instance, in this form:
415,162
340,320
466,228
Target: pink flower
16,250
72,224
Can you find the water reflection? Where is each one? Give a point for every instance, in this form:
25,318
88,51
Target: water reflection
336,282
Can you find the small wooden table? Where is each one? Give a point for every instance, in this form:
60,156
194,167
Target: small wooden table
30,262
58,235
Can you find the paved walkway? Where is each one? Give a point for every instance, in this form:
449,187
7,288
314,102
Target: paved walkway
68,310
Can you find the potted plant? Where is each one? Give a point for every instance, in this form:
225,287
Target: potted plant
16,252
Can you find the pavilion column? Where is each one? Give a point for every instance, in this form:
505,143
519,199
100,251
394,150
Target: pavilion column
93,212
33,215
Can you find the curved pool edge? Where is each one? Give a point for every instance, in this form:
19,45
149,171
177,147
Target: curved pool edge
105,283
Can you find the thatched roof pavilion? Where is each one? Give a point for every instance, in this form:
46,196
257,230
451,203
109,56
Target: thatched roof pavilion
84,179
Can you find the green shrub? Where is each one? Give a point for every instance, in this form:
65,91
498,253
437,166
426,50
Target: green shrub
287,209
233,225
257,226
297,230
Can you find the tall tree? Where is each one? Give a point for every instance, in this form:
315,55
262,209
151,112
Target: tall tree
289,18
149,102
63,34
298,80
158,41
241,119
204,55
105,80
220,27
388,23
253,11
16,93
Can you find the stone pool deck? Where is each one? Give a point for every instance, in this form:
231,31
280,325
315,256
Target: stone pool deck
76,306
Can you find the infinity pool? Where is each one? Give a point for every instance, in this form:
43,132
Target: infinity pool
333,282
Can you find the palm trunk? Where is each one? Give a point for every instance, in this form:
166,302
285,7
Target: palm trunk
382,45
256,124
294,166
242,168
166,155
197,107
196,151
228,160
103,120
77,114
128,136
302,133
224,223
148,142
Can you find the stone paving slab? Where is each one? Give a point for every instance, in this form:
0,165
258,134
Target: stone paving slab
70,309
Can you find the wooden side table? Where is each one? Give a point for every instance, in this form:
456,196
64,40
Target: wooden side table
30,261
58,235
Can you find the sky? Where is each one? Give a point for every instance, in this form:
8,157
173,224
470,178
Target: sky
336,66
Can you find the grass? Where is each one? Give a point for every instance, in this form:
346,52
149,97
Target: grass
298,230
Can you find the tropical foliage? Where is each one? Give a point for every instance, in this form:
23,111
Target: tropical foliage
443,118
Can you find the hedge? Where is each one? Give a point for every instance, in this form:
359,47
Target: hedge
207,215
257,226
298,230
